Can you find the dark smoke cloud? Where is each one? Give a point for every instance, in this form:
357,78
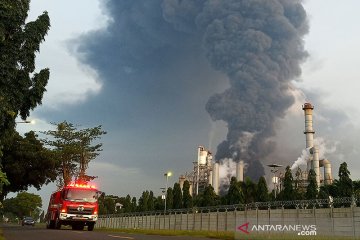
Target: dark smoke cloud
148,45
258,44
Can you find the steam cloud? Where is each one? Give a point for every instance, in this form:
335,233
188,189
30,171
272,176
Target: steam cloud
257,44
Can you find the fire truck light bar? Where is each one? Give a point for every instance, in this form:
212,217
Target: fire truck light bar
81,185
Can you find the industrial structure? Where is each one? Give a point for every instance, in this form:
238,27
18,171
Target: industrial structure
206,172
313,162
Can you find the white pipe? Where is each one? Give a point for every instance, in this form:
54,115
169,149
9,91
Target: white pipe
240,171
327,171
216,178
210,177
181,181
315,164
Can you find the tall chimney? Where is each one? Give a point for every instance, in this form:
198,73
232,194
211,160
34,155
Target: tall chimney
240,171
309,131
215,176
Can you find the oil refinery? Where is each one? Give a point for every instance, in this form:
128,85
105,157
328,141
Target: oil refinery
205,171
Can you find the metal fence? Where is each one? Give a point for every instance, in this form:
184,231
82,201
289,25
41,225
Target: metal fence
338,216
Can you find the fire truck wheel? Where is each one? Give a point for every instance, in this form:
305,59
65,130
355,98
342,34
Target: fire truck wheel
57,223
50,224
91,226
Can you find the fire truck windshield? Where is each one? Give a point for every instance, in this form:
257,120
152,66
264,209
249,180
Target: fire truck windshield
81,195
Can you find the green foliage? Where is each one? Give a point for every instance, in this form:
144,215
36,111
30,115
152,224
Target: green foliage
133,204
27,163
249,189
356,185
107,204
235,194
209,197
127,204
312,188
143,201
21,88
24,204
74,149
288,192
178,198
151,201
262,192
187,198
345,184
169,198
159,203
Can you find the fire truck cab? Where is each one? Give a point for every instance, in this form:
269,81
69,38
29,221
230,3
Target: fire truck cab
74,205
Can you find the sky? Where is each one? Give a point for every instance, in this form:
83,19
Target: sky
151,95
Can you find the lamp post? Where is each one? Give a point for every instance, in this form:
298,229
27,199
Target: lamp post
27,121
167,175
275,179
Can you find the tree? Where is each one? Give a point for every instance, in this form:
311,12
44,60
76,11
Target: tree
312,187
159,203
235,194
143,201
249,189
127,204
288,191
299,191
27,163
178,198
151,201
356,185
187,198
209,197
262,192
133,204
74,149
169,198
345,184
24,204
21,88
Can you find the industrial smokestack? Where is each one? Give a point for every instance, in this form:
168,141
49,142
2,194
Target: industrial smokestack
216,178
327,171
240,171
309,131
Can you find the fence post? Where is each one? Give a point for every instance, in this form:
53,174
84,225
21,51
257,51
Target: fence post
226,220
353,219
187,220
217,220
209,220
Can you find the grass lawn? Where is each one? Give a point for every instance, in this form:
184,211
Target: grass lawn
226,235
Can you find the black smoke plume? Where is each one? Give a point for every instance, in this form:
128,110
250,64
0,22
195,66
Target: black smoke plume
257,44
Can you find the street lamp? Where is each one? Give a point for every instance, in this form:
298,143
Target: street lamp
167,175
275,179
27,121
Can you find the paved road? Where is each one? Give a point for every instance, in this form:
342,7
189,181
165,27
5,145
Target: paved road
13,232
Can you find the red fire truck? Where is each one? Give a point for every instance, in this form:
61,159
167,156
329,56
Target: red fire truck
75,205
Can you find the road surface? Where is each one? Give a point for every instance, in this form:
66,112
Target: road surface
15,232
